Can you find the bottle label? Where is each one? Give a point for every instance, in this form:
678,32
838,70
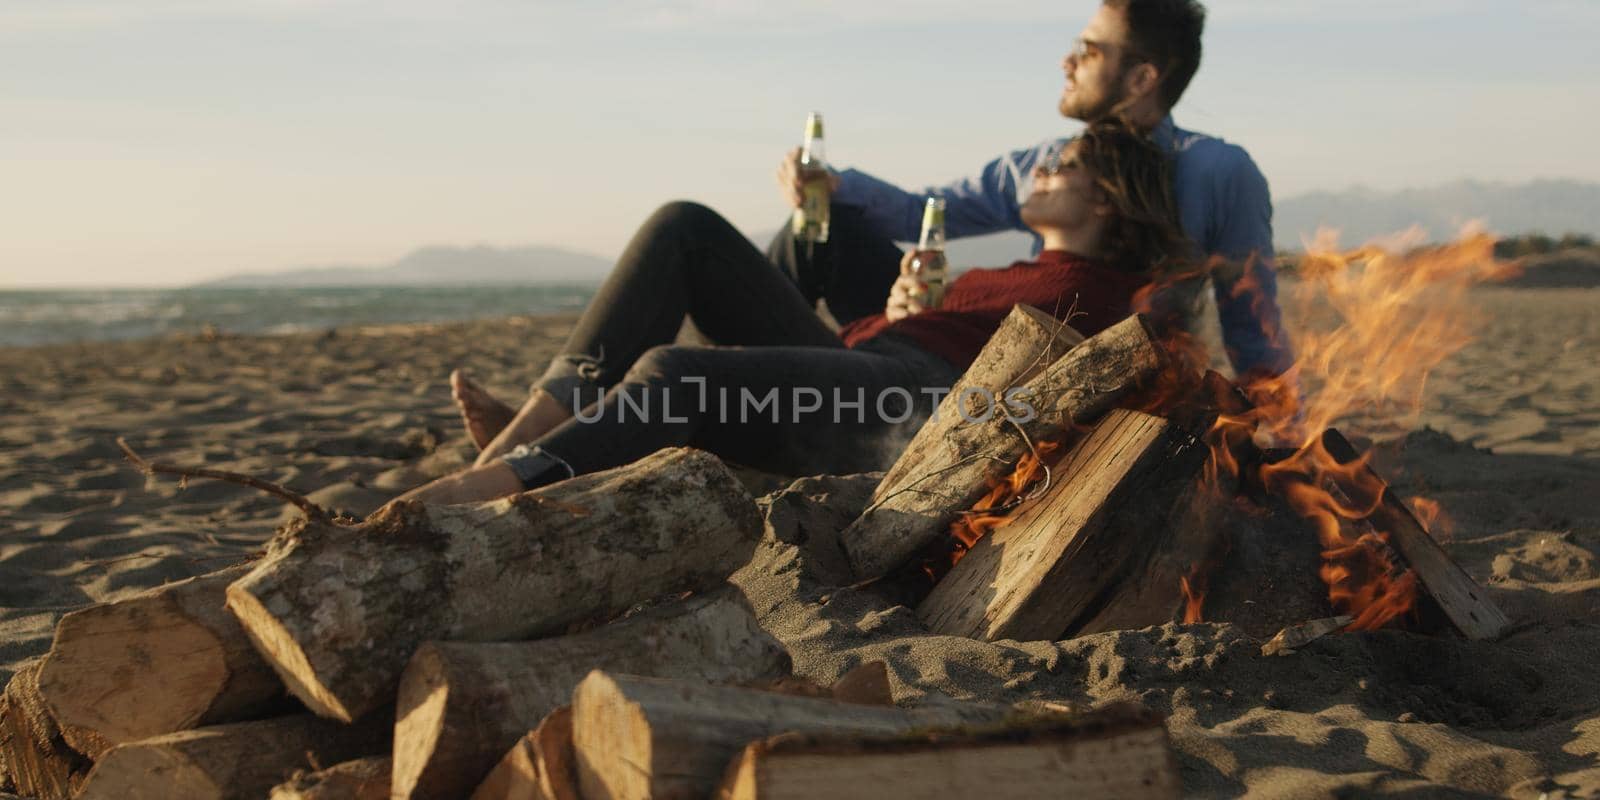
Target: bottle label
812,217
932,270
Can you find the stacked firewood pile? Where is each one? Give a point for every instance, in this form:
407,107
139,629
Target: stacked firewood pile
583,641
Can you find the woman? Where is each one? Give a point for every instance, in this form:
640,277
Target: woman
782,391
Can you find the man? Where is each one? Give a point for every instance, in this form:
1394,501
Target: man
1134,59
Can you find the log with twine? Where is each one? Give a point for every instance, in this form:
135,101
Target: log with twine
915,505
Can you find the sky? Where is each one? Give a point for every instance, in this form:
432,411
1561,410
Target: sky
162,142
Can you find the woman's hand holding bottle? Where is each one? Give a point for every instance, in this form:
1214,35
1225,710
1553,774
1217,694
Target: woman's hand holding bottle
905,296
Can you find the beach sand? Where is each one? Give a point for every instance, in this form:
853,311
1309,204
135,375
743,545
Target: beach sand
1509,444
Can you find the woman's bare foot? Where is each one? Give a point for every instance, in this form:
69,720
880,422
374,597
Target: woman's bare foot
483,415
537,417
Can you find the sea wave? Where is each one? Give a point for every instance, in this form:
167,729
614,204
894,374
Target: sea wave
48,317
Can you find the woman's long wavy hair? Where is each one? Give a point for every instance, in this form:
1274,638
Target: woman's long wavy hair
1144,235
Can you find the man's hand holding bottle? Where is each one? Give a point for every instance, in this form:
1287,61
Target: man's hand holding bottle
791,181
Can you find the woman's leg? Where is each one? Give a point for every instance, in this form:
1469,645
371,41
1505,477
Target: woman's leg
684,260
794,410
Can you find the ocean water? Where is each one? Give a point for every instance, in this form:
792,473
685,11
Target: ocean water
47,317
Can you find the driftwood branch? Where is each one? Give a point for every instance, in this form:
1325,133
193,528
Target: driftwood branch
295,499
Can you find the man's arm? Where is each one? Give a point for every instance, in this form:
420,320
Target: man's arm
987,202
1246,284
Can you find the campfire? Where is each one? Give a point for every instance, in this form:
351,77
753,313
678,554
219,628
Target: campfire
582,640
1397,317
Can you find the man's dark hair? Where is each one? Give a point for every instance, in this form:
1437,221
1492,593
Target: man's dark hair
1167,34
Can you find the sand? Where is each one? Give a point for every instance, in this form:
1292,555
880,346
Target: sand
1509,444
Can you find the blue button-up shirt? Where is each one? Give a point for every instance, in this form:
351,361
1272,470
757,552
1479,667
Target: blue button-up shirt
1223,203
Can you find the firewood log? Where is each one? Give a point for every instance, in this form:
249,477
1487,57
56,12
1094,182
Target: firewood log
339,611
1119,752
362,779
955,463
463,703
1093,531
38,759
237,760
538,767
1028,341
653,738
164,660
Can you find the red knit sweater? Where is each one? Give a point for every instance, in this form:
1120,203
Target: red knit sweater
977,302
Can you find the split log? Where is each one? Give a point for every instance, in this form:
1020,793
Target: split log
1027,341
956,462
1053,566
1167,579
1226,545
1462,600
362,779
38,759
238,760
165,660
462,704
1204,529
538,767
653,738
339,611
1119,752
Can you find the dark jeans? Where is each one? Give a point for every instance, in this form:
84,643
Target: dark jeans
852,271
779,392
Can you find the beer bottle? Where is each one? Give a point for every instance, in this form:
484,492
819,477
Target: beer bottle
928,263
811,218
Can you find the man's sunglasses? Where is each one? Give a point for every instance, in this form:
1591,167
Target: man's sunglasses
1083,48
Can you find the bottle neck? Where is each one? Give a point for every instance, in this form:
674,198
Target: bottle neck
932,226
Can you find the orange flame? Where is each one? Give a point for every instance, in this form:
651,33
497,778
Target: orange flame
1375,324
1194,596
1395,318
1433,518
1363,577
969,528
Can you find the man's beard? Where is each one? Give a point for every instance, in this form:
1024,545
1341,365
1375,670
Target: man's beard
1100,109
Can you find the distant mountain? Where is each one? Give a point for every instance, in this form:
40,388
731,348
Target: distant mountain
1360,214
1550,206
440,265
